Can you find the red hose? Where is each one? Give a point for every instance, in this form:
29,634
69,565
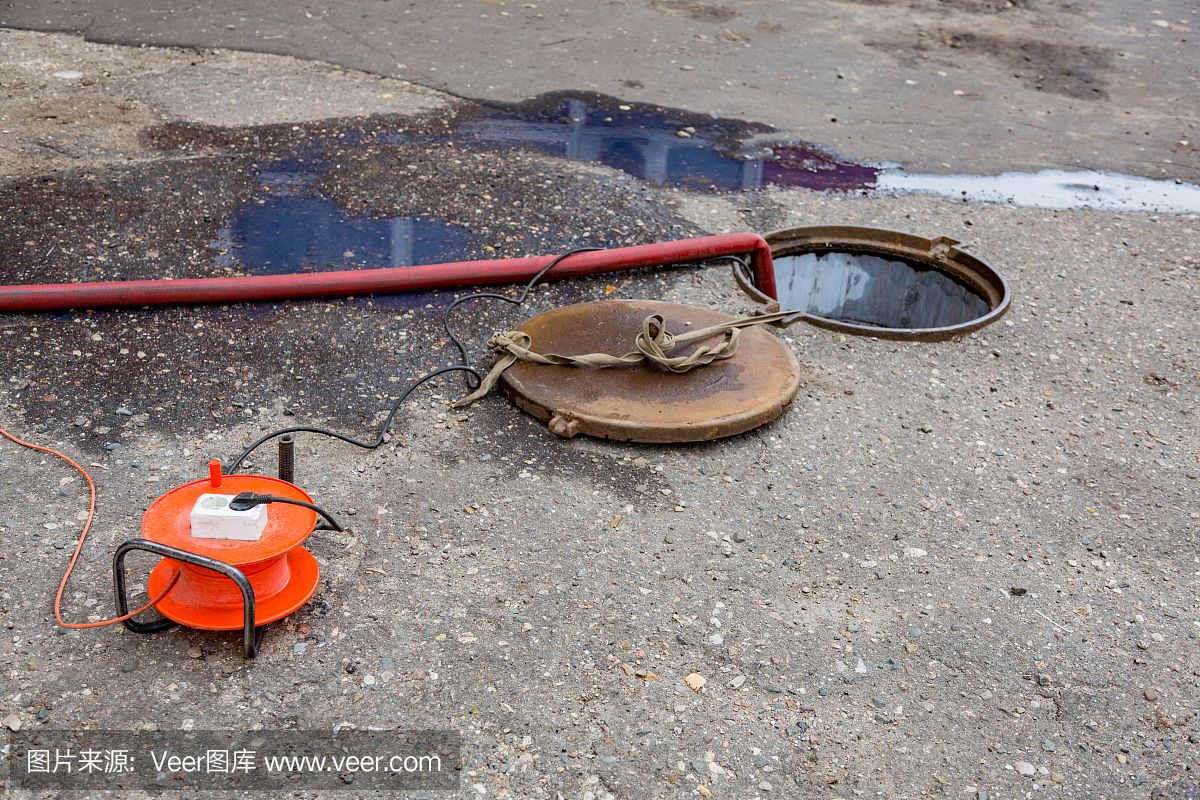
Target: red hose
115,294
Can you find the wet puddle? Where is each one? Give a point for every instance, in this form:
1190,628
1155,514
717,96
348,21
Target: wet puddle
670,147
297,234
291,226
667,147
871,290
294,228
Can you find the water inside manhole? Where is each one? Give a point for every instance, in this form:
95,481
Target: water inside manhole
871,290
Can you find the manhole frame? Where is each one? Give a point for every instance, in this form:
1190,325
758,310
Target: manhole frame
940,254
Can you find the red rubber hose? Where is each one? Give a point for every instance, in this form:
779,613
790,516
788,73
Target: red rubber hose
115,294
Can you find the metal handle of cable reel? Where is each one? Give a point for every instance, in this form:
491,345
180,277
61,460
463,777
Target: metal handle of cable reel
251,636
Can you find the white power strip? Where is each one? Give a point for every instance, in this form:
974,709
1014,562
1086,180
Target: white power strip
212,518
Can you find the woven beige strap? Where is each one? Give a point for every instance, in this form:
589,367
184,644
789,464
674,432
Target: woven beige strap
652,343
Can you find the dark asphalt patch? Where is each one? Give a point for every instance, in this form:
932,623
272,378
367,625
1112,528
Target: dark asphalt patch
205,368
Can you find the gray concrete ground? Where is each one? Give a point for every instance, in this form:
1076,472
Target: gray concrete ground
937,85
965,569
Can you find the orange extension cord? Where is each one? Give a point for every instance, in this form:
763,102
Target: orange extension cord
87,525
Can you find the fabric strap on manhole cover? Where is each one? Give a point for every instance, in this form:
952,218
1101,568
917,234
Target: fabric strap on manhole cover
653,343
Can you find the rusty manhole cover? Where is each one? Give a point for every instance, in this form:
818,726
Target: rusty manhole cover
643,403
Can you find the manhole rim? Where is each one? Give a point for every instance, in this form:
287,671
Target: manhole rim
940,253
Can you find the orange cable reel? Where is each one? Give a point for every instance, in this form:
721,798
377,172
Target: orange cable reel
252,526
262,542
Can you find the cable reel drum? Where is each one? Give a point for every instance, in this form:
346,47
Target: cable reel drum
231,553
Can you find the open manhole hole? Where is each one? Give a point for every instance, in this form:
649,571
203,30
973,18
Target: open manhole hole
881,283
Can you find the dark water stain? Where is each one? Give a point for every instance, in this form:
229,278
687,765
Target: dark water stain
871,290
701,12
294,228
392,191
335,361
1073,70
975,6
665,146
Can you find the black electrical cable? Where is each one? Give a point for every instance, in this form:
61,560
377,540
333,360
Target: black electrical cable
463,367
368,445
472,373
462,348
248,500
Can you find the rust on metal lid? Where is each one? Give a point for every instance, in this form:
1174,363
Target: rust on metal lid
643,403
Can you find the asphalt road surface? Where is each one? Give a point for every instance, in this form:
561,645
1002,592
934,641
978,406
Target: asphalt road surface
958,569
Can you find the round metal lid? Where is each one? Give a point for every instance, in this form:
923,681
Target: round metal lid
643,403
